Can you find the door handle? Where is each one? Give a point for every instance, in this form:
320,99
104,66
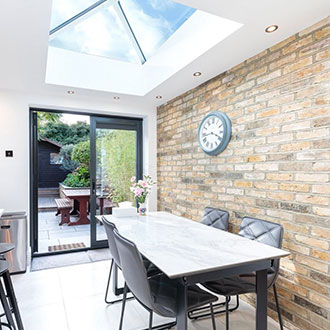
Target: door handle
93,187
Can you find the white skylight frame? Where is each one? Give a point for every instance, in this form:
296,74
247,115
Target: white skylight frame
195,37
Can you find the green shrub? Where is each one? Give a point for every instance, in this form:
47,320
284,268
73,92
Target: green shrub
79,178
81,153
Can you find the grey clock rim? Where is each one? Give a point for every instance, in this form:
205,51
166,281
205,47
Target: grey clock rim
227,132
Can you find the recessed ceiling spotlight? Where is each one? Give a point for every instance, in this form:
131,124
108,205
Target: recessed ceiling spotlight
70,92
197,74
116,97
159,97
271,28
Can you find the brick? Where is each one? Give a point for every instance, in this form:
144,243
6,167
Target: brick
307,283
320,244
296,126
312,263
300,43
325,212
319,299
279,176
312,199
269,76
322,33
298,65
321,232
312,134
310,306
267,113
295,146
317,177
325,256
294,187
256,73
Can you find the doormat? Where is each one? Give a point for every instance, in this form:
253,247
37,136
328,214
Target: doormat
62,247
69,259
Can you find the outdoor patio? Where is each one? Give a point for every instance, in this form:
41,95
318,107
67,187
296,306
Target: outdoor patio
51,234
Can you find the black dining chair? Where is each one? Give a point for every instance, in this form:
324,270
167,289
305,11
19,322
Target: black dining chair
218,219
157,294
264,232
109,228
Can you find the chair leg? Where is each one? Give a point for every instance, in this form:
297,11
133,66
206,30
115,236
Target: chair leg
227,312
6,308
212,316
108,284
12,299
150,320
123,307
278,308
204,311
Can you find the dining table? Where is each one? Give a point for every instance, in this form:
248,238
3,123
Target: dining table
192,253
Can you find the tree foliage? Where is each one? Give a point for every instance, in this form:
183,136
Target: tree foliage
117,163
64,133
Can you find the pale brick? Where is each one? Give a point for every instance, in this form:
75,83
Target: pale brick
298,65
320,244
312,177
312,199
296,126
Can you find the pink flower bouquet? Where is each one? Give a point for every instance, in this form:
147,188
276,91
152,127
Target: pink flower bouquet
141,188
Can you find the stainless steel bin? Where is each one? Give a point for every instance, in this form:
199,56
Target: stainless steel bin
13,229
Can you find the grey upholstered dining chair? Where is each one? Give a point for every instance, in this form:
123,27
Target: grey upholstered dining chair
109,228
264,232
218,219
156,294
215,218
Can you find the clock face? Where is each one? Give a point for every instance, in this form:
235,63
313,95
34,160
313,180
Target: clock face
214,133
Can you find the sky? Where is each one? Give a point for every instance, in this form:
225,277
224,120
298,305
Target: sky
72,119
153,22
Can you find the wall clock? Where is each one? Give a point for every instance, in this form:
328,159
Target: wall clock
214,133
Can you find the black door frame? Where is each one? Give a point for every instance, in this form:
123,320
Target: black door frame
33,161
118,124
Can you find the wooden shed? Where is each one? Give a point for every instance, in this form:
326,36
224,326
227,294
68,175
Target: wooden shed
50,171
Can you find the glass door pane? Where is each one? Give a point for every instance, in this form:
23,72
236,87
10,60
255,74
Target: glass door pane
115,165
116,156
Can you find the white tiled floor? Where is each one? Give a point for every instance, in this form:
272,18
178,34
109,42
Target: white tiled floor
50,233
72,298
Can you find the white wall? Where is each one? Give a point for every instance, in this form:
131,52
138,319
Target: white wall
14,135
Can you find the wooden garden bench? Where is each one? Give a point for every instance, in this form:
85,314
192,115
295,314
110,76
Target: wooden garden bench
63,208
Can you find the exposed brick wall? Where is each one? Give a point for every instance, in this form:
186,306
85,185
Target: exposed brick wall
275,167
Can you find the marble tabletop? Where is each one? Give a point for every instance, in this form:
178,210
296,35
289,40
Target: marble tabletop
181,247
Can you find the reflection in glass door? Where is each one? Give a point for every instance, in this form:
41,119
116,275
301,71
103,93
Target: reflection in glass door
116,152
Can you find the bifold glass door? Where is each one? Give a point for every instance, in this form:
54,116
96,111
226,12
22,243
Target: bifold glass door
116,156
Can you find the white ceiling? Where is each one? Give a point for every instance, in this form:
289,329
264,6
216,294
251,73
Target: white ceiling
24,27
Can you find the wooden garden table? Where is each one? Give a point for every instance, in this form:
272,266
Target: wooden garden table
82,196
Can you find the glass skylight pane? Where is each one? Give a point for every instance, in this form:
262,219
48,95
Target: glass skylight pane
100,34
66,9
154,21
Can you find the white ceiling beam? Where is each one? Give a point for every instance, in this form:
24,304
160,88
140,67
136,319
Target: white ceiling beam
129,31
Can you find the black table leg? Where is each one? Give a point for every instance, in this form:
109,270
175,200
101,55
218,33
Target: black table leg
261,311
182,306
